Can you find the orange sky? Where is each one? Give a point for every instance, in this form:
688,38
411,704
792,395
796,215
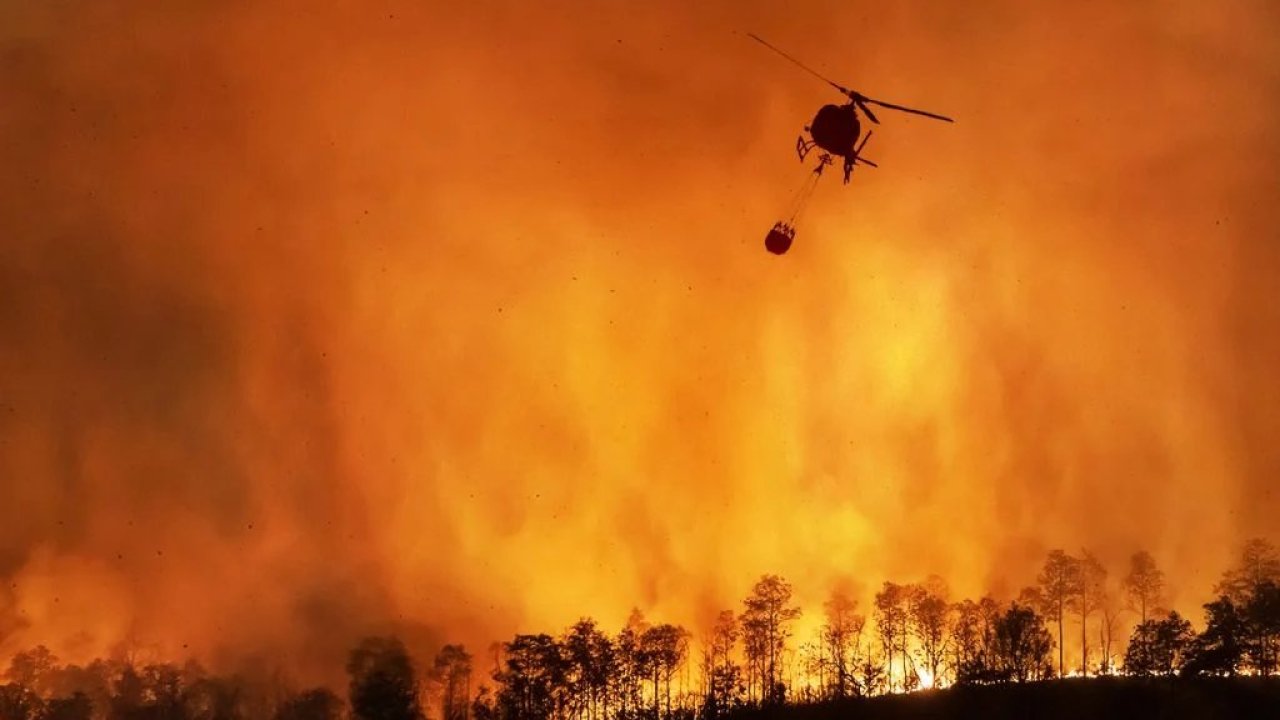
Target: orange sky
457,320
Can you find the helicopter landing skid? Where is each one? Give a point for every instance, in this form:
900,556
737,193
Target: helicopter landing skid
803,146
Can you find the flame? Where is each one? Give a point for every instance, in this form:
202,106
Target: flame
926,678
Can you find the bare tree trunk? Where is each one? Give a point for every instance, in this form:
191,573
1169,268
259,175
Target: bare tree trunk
670,672
1104,639
1084,639
906,657
657,695
889,673
1061,664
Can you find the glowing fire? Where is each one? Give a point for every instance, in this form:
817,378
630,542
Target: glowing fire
455,321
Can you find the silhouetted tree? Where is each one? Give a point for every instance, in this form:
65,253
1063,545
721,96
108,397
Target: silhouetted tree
1159,647
664,648
576,652
1244,623
840,635
766,626
154,692
1059,581
930,617
484,707
601,671
1262,617
315,704
97,680
1219,650
813,663
871,676
720,672
212,698
629,664
1022,645
383,685
755,654
18,702
651,667
973,640
33,669
1144,583
1259,563
1091,578
591,659
128,695
76,706
451,670
892,623
533,678
965,637
166,687
1108,629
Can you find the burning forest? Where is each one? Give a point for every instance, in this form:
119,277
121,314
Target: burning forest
912,639
401,332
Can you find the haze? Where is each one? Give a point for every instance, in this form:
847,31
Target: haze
456,320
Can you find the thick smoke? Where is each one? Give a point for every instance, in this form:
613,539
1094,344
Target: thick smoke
456,321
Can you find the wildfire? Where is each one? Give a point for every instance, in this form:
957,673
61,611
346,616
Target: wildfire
454,321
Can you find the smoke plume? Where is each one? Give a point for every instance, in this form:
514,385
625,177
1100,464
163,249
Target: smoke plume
454,319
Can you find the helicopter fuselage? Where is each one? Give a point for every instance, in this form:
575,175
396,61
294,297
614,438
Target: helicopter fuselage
835,129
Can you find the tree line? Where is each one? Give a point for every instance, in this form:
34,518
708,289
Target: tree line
914,637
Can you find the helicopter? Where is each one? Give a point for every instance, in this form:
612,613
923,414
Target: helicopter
835,128
835,131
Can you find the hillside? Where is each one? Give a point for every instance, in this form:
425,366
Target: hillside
1074,699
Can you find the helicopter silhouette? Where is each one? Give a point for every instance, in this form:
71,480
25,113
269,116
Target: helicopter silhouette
835,128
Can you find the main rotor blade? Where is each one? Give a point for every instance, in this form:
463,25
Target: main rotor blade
801,65
862,105
891,106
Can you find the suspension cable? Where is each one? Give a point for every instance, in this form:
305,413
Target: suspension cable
801,199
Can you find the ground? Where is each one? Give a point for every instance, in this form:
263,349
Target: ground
1078,699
